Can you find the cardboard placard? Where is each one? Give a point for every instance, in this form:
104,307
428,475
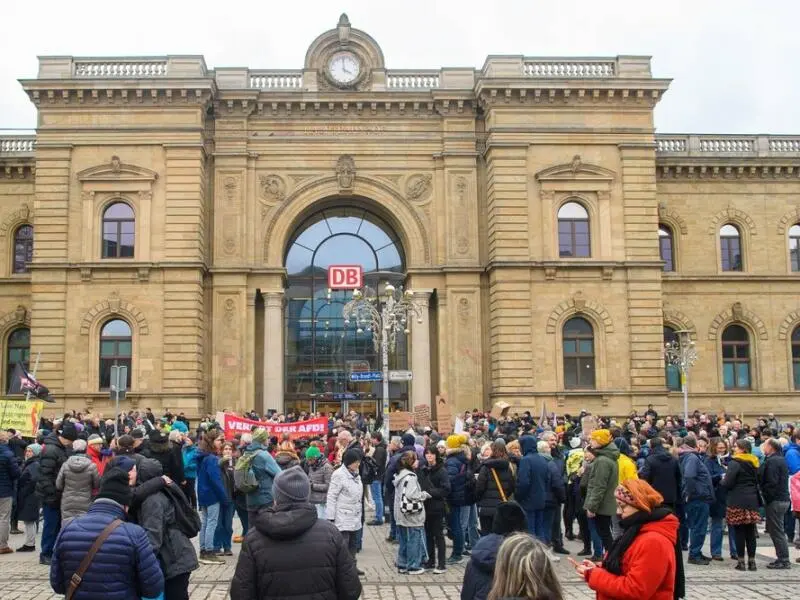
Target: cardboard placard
500,409
588,425
422,415
400,420
444,416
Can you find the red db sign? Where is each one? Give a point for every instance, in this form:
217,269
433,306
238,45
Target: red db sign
345,277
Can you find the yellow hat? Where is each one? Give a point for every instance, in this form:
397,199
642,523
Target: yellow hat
454,441
601,436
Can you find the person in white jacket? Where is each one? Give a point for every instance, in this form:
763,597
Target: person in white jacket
343,505
409,513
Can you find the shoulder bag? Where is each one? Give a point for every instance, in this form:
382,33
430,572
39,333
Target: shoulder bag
77,576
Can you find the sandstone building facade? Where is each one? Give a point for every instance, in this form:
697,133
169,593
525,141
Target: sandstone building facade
181,220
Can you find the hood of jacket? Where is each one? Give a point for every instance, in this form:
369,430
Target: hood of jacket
610,451
51,439
161,447
660,454
498,464
286,522
668,527
748,458
78,463
527,443
401,475
254,446
484,553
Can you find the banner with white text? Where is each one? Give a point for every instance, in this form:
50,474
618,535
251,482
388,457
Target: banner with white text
233,424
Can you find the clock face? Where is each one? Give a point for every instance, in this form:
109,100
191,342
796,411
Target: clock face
344,67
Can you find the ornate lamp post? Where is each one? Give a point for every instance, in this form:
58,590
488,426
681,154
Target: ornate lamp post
386,322
682,353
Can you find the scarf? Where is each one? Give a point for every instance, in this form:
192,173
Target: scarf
631,527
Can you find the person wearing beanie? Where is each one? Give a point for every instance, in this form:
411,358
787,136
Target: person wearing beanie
96,452
125,566
645,561
320,472
28,504
509,518
603,479
457,464
164,452
77,480
344,500
289,534
9,473
53,456
265,468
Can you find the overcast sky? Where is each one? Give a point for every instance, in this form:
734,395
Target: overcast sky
734,63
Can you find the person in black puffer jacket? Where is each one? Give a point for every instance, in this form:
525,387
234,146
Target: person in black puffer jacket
486,491
662,471
433,479
290,553
55,451
160,449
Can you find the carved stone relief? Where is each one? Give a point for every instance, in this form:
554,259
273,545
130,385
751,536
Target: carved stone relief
418,187
346,172
230,218
460,222
230,312
273,188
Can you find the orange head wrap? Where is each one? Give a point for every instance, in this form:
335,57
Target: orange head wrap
639,494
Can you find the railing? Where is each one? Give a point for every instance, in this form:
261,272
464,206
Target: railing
17,144
568,69
276,80
122,69
741,145
412,80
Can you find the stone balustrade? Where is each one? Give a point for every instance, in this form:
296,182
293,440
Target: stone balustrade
276,80
568,69
727,145
412,80
17,144
120,69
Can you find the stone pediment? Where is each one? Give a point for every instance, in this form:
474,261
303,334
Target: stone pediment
116,170
575,171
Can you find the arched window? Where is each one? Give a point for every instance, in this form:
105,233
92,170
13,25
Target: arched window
796,357
23,248
730,245
665,247
794,247
736,358
578,345
18,349
115,349
671,372
573,231
118,231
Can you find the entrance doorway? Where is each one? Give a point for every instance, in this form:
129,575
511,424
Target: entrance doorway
321,350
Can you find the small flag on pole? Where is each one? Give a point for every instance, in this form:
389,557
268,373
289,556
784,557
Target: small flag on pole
22,382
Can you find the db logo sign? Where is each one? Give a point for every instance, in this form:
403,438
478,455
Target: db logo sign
345,277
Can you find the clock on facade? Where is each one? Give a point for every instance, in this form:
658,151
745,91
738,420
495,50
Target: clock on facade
344,68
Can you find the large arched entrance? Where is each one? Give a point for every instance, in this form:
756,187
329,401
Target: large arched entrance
320,350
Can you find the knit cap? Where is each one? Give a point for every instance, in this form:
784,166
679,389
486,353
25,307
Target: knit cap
291,486
639,494
68,431
408,440
35,448
312,453
114,486
94,439
453,442
260,435
601,436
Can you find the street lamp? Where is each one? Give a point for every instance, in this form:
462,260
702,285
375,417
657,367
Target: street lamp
386,321
681,352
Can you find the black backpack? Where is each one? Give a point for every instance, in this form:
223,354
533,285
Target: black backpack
186,518
368,470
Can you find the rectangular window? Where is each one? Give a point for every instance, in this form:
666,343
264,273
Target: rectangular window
665,246
105,371
731,254
673,378
794,253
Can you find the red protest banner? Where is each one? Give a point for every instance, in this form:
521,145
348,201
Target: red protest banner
234,424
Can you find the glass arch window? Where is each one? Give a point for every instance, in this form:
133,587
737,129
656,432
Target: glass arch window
23,249
578,347
730,245
119,227
672,373
321,351
573,231
794,248
666,247
796,357
736,358
116,349
18,350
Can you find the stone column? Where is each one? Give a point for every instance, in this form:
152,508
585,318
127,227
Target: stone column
421,353
273,351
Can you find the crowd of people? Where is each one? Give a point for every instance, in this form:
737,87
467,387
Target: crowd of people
507,491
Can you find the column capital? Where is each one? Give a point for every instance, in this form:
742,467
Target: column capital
273,299
422,297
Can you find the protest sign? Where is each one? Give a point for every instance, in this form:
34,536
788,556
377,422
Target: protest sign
22,415
400,420
500,409
233,424
444,416
422,415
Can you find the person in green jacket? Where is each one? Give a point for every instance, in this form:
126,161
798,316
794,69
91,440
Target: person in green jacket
600,504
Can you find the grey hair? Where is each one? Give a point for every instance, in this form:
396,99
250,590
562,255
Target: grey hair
175,435
247,438
543,447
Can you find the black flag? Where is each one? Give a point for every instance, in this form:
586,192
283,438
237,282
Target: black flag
23,382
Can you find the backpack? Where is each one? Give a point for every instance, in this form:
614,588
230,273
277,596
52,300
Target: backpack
186,518
244,479
368,470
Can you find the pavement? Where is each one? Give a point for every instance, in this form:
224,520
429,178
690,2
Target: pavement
22,578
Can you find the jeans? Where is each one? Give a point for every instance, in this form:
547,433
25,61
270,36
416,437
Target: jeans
376,490
434,542
548,514
411,553
716,537
321,508
224,530
535,523
244,518
209,516
683,528
556,537
597,541
697,520
457,530
52,524
392,522
469,522
6,506
775,512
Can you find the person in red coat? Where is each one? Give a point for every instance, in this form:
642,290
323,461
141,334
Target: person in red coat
645,562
